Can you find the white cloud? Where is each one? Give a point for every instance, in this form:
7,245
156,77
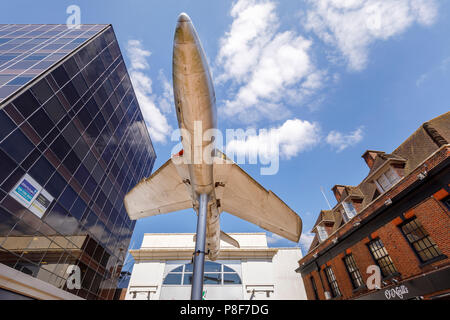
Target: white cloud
291,138
273,238
353,25
342,141
166,99
156,122
265,66
305,241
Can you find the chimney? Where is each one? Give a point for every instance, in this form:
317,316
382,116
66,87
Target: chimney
369,156
338,190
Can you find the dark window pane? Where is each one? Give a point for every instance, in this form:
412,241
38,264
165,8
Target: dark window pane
42,170
90,186
60,147
51,136
6,125
84,117
101,198
71,134
92,107
90,161
67,198
26,103
71,67
70,93
41,122
30,159
9,183
56,185
78,208
81,148
7,222
54,109
80,84
71,162
82,174
63,122
17,145
42,91
60,76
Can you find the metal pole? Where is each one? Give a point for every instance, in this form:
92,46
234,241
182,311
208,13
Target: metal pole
199,255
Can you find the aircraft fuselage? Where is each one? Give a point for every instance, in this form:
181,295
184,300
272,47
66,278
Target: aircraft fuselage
196,113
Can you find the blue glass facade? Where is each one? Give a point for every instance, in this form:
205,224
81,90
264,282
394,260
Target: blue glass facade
28,50
72,143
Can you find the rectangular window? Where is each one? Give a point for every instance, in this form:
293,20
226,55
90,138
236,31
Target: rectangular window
313,284
332,282
353,271
382,257
349,211
425,248
387,180
322,233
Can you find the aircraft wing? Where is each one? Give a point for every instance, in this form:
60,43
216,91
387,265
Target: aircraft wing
163,192
243,197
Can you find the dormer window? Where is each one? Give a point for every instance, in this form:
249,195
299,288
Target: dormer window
387,180
323,235
348,212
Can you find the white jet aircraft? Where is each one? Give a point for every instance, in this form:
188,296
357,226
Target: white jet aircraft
209,188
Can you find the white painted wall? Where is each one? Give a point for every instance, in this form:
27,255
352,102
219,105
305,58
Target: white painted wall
262,278
288,283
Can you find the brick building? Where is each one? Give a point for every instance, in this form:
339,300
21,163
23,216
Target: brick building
397,218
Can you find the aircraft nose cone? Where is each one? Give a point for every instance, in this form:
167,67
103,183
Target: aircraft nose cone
184,32
183,17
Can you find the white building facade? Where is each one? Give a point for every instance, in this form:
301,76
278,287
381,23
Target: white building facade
163,270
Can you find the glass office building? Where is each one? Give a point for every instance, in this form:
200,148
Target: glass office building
72,143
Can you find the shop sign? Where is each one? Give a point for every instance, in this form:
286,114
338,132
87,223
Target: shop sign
396,292
31,195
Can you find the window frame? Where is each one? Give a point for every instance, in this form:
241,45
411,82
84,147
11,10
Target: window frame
378,259
184,272
332,283
391,184
355,271
320,232
426,236
345,214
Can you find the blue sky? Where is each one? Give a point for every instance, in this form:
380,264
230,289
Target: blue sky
332,77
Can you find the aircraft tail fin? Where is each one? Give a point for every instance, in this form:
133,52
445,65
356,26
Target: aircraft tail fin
229,239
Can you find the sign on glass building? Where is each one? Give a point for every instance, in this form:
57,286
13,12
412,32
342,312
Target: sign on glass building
72,143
